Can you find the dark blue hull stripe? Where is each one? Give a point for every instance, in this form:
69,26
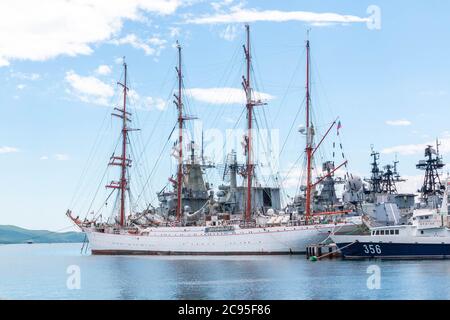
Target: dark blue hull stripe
394,250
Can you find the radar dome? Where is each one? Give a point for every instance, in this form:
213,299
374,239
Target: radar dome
354,183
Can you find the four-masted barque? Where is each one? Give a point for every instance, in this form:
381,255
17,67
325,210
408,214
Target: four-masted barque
217,231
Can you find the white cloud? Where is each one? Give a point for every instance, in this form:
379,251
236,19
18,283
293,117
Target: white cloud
411,185
151,46
103,70
229,33
406,149
411,149
174,31
135,42
26,76
3,62
433,93
43,158
21,86
157,103
224,95
61,157
238,14
145,103
401,122
217,6
119,60
157,42
4,150
41,30
89,89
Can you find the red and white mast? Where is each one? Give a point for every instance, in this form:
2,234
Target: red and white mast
122,160
249,105
309,139
310,148
179,103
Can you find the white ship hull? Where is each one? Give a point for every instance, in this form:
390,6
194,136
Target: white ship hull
198,241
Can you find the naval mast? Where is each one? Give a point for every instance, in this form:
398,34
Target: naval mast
432,187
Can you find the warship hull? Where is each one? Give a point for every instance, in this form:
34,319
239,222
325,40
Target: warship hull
201,241
365,250
405,242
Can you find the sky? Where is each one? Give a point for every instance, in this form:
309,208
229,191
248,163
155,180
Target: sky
381,67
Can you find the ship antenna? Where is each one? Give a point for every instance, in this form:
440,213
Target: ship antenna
309,135
122,160
397,175
179,104
203,158
437,147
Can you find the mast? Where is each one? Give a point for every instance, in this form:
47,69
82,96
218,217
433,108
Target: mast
122,160
203,158
376,180
432,185
249,105
309,138
179,105
310,149
123,176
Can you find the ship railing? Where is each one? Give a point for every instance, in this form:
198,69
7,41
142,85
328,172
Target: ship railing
251,224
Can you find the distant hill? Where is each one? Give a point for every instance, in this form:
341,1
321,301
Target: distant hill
13,234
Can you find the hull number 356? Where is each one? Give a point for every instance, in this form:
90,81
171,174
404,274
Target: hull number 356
372,248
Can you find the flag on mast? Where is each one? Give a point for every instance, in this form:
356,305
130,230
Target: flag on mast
339,126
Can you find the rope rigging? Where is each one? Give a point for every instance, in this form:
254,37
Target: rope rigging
143,173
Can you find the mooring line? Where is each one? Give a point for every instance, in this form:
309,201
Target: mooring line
329,253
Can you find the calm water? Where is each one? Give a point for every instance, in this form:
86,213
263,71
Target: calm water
39,271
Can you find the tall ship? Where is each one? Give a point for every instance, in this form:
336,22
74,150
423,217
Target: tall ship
192,220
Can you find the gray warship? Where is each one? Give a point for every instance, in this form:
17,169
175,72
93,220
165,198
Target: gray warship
378,198
231,197
382,202
201,201
325,197
195,190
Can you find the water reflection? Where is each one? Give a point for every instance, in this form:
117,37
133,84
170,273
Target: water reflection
39,272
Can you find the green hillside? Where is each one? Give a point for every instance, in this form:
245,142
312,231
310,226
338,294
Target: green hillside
13,234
